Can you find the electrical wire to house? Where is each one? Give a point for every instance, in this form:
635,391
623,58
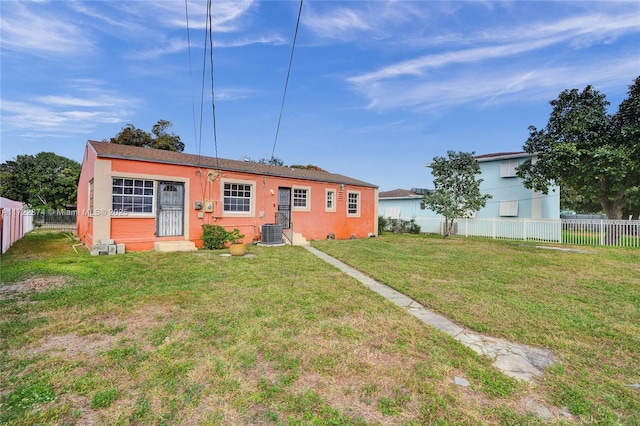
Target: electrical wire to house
286,83
208,52
197,139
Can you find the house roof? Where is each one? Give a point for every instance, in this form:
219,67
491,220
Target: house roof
399,193
497,156
127,152
501,156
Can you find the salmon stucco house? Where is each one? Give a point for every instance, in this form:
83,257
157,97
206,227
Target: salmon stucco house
148,199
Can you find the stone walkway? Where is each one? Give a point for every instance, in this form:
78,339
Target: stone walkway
515,360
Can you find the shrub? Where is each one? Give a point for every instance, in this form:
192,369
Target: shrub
216,237
383,224
401,226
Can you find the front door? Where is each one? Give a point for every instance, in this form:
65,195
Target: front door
170,221
284,207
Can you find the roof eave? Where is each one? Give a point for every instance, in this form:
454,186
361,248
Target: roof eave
235,169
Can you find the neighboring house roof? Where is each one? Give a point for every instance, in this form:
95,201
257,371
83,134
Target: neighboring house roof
502,156
497,156
399,193
127,152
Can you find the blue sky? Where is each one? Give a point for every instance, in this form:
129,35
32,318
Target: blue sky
377,88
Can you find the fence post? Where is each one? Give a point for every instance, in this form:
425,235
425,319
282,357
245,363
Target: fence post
602,233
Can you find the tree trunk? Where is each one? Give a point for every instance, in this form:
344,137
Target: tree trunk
613,209
448,226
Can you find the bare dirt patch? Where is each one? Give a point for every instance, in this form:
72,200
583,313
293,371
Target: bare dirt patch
38,285
72,345
134,326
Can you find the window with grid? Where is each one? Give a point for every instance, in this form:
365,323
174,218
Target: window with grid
237,197
132,195
353,204
331,201
300,197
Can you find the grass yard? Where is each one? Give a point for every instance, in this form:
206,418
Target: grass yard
283,338
584,306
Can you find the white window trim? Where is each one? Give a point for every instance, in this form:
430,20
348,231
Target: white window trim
509,208
328,191
293,197
91,197
508,168
359,206
103,193
116,213
252,202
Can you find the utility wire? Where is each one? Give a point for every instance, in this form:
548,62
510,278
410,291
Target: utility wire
213,103
193,106
197,139
286,84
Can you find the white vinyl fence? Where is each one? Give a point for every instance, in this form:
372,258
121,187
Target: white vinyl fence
15,221
620,233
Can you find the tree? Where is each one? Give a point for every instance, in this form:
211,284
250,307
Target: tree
456,190
587,150
570,199
307,167
130,135
164,140
44,181
273,161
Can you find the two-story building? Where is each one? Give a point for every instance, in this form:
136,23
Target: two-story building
510,200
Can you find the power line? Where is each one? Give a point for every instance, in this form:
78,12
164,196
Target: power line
193,106
286,84
213,103
197,139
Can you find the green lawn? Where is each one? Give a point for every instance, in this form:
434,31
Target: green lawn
283,338
583,305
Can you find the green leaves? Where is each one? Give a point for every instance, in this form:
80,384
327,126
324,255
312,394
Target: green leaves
45,180
588,151
130,135
457,191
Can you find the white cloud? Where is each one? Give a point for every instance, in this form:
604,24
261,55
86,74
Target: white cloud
226,16
27,30
517,62
365,21
68,114
338,24
578,31
233,94
497,86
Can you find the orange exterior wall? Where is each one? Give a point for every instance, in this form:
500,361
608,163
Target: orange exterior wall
138,231
84,219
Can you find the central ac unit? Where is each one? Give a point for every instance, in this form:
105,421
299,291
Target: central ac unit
271,234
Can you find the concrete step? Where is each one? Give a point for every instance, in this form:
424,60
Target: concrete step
167,246
299,240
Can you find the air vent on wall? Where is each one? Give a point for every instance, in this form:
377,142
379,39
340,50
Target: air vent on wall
271,234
